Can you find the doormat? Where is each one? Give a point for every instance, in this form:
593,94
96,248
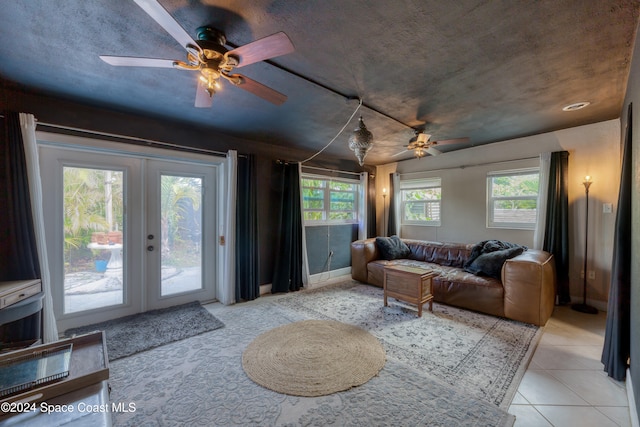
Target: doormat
139,332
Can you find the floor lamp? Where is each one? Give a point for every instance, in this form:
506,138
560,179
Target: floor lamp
384,212
584,308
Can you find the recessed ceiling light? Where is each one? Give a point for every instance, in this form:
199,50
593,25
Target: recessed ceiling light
576,106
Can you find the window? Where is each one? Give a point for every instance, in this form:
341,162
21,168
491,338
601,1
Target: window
420,201
513,198
328,200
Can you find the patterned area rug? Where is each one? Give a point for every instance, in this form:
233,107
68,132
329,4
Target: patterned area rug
485,356
139,332
200,380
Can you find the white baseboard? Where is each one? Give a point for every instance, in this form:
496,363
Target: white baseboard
318,280
265,289
329,276
633,411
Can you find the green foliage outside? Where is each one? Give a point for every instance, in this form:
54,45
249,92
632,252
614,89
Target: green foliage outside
88,193
180,225
516,191
342,199
422,204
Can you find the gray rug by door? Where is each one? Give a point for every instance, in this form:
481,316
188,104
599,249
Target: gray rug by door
139,332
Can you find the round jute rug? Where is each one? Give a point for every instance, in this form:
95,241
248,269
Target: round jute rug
313,358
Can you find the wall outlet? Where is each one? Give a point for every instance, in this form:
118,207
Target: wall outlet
607,207
330,253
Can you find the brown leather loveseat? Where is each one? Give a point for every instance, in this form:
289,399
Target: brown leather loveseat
525,292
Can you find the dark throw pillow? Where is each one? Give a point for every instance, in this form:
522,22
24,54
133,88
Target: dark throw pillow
392,248
487,246
490,264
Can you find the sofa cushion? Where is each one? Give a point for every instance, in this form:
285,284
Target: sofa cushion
392,247
461,289
447,254
487,246
490,263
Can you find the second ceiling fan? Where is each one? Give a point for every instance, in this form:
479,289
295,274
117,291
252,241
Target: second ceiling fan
209,56
421,144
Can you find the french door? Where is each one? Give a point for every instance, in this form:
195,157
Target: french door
126,234
180,233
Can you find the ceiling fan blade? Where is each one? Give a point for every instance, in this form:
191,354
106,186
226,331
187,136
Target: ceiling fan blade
451,141
203,100
433,151
130,61
268,47
401,153
166,21
260,90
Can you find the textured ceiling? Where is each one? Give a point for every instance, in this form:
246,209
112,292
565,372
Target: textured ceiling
487,70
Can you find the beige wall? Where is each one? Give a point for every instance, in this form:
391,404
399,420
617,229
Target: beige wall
594,150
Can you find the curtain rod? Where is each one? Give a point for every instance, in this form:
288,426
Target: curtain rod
470,166
134,138
332,170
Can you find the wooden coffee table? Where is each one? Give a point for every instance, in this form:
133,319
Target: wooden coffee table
409,284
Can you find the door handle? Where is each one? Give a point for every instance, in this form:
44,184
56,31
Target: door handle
150,248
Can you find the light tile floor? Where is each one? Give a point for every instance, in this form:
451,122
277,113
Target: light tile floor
565,384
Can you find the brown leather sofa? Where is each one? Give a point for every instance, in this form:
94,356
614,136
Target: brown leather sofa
525,293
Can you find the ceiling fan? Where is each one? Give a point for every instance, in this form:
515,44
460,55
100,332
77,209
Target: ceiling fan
421,144
209,56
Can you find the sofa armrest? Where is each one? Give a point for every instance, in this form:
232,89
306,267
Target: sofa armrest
362,252
529,282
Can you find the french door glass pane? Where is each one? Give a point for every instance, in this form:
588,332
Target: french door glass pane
93,238
181,229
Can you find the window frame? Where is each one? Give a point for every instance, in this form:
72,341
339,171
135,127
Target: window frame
327,191
420,184
490,210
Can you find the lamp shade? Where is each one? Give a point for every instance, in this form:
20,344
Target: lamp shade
361,141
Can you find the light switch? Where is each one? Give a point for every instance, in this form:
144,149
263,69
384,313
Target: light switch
607,207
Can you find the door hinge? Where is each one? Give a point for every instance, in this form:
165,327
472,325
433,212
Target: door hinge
221,240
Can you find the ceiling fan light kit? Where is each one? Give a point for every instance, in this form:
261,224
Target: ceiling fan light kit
361,141
423,137
421,144
210,57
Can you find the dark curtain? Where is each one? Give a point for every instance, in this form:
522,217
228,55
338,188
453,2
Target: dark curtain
391,212
556,236
287,271
371,209
18,251
247,254
617,339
